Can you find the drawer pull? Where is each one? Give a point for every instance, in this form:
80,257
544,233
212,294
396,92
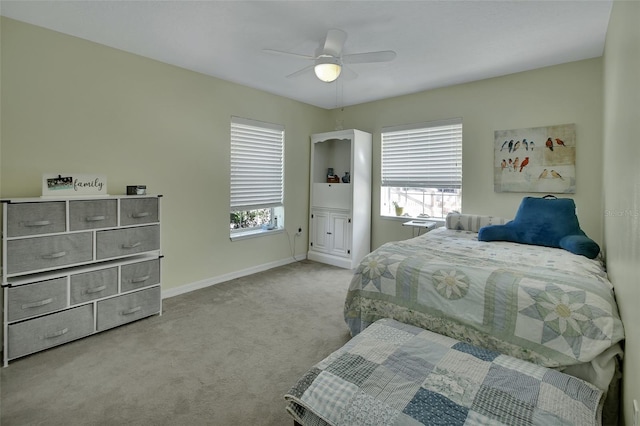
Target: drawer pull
54,255
132,245
95,218
132,310
140,215
96,289
37,304
38,223
140,279
56,334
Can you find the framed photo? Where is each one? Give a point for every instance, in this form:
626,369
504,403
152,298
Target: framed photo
537,159
73,185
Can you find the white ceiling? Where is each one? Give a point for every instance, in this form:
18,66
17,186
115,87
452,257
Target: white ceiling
438,43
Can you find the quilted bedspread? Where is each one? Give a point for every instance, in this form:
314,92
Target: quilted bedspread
398,374
543,305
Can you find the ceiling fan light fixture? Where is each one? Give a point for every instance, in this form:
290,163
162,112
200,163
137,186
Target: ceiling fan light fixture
327,68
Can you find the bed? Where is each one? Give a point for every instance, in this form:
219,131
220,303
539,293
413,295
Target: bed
397,374
543,305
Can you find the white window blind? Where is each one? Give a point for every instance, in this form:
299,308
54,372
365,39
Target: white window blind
257,164
426,155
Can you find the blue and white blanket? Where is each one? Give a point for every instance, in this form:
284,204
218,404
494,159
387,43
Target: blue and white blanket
398,374
539,304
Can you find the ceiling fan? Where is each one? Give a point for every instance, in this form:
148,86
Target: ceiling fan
329,61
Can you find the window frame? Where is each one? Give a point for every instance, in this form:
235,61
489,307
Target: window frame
256,173
426,156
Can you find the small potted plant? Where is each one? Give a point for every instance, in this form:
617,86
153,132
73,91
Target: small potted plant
399,208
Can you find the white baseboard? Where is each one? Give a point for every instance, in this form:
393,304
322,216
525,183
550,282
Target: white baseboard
340,262
230,276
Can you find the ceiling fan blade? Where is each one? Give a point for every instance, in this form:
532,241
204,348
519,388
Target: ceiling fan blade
334,42
282,53
362,58
300,72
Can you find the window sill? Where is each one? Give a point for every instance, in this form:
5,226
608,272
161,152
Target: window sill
438,220
254,233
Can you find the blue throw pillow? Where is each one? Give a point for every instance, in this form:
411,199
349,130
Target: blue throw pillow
580,244
550,222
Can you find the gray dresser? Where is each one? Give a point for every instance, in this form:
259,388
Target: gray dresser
77,266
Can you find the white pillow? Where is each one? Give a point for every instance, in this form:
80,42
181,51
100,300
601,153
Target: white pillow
471,222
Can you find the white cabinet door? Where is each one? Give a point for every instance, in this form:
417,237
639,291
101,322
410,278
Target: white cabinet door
331,232
320,232
340,231
331,196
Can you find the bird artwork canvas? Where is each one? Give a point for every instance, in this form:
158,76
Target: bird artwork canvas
536,159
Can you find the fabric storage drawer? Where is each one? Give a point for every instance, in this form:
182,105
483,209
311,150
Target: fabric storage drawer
141,274
92,214
136,211
36,218
51,330
32,254
127,241
94,285
129,307
35,299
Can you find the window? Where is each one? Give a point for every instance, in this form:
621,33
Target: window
422,169
257,177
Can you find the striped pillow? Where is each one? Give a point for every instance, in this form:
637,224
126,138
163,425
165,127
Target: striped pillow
471,222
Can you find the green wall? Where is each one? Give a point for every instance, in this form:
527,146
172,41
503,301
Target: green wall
569,93
621,194
70,105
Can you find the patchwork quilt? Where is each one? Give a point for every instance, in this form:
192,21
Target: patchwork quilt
398,374
539,304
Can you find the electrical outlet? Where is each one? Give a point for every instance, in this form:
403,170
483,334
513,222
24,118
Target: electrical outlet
636,415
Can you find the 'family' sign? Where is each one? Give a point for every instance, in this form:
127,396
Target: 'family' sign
71,184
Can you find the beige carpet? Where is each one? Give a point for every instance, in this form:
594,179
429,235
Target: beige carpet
224,355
